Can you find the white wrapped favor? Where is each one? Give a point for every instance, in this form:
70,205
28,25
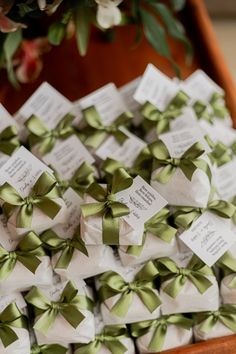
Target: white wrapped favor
75,324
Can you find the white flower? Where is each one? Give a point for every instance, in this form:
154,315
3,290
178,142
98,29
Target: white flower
108,14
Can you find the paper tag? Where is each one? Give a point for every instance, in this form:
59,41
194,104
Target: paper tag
187,119
127,92
200,86
209,238
107,101
178,142
126,153
225,180
156,88
5,236
67,156
143,202
22,170
46,103
73,202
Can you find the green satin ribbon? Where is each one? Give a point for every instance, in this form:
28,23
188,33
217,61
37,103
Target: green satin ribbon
227,263
159,328
42,196
40,134
196,272
10,318
48,349
220,153
80,181
68,306
202,111
157,226
217,103
225,315
107,206
98,131
67,246
161,120
185,216
189,162
109,166
9,141
143,286
233,201
110,338
27,253
233,148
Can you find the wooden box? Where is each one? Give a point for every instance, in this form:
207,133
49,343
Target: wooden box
119,62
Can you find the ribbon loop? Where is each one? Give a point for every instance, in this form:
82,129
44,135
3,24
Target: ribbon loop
40,134
48,349
9,141
42,196
217,103
107,206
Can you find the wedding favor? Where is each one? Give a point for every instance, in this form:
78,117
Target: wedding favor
63,313
130,295
163,333
28,191
187,286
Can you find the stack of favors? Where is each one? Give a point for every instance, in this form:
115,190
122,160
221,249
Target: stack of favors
118,219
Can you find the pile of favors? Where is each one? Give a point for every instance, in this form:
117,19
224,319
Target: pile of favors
118,218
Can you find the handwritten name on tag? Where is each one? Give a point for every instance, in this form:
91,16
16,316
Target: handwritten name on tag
156,88
143,202
107,101
22,170
67,156
209,238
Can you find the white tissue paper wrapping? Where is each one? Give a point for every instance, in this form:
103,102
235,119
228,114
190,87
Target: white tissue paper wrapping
91,229
137,310
40,221
183,192
99,260
219,330
189,299
61,331
153,248
228,294
22,345
175,337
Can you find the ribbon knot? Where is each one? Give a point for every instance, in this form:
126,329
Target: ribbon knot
46,138
42,196
12,255
107,206
184,271
56,306
189,162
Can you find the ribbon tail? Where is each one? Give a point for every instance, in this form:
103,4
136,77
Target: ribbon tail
73,316
149,298
49,207
158,338
122,306
110,228
7,335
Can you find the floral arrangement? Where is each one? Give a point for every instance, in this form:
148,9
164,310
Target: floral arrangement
26,31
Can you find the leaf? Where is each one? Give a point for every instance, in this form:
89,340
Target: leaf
82,28
56,33
174,27
155,33
10,46
178,5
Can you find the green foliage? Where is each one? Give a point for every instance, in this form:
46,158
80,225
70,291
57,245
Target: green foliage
10,46
82,18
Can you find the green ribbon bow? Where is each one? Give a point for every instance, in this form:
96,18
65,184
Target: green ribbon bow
110,338
41,196
220,153
226,315
196,271
48,349
227,263
159,328
157,226
107,206
27,253
66,246
68,306
202,111
40,134
233,201
10,318
80,181
185,216
217,103
98,131
143,286
8,140
162,120
189,162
